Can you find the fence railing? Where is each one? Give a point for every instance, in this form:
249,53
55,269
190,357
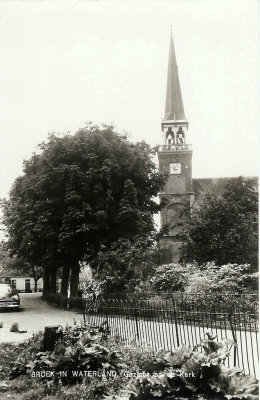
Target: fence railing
183,320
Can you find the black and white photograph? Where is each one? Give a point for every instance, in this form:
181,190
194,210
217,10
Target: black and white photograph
129,199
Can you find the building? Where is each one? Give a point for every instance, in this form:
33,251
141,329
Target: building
175,157
25,284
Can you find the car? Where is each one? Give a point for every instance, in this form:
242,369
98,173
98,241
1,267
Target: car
9,297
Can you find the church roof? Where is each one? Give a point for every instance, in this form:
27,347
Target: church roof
174,105
217,185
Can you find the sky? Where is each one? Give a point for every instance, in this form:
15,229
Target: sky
63,63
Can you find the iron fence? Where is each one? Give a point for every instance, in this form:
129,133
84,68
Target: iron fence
183,320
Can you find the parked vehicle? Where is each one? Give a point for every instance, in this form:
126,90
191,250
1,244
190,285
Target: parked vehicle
9,297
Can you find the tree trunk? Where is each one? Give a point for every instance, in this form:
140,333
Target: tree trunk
53,281
46,281
65,280
51,335
74,280
35,284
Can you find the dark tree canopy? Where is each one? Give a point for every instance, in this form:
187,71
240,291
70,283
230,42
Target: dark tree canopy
126,264
80,192
224,228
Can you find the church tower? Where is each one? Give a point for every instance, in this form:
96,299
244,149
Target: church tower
175,158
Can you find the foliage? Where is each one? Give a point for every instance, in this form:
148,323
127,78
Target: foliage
9,353
79,193
169,278
59,300
78,350
204,280
229,278
13,266
126,263
56,298
224,228
189,373
92,290
186,373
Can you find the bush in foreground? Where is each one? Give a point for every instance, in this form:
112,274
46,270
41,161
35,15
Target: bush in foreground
125,372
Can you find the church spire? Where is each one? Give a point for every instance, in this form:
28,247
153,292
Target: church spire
174,106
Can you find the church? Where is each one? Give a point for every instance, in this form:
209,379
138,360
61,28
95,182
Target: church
175,158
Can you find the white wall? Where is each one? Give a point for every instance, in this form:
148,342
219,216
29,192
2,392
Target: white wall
20,283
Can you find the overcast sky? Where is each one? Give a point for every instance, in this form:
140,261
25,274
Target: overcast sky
63,63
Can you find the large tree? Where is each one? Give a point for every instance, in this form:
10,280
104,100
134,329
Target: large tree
224,228
78,193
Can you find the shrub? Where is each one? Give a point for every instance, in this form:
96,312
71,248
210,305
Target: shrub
196,373
76,302
232,278
169,278
186,373
78,349
55,298
204,280
62,301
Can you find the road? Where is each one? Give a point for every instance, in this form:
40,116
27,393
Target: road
33,316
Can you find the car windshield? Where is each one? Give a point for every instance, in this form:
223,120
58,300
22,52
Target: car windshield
5,290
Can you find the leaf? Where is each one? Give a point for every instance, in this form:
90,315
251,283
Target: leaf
157,392
101,348
91,350
106,365
84,362
122,365
179,356
243,387
68,351
4,385
48,362
30,364
158,380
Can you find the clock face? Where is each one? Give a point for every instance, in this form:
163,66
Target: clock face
175,168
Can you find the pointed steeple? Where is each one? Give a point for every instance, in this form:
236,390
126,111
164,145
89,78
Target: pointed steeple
174,105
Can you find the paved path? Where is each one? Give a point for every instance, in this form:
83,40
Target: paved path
33,316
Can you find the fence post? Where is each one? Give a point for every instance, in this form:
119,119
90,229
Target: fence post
176,325
84,311
234,338
136,323
107,308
